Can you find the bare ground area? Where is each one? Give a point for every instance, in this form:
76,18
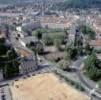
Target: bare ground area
45,87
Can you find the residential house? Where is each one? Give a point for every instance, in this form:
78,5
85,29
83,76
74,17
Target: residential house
1,75
96,44
28,63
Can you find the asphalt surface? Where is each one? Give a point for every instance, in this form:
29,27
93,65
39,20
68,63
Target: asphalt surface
87,83
5,93
48,67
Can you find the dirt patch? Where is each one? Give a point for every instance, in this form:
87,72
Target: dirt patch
45,87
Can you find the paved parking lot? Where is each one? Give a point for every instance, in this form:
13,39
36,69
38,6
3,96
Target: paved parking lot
5,93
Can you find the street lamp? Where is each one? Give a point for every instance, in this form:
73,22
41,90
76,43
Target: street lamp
93,91
91,94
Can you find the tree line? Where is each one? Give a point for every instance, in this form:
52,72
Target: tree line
77,4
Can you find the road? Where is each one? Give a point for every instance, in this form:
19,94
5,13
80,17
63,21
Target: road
48,67
5,93
87,83
4,85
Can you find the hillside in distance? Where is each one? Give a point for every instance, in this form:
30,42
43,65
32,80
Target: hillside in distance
78,4
24,1
13,1
61,5
84,3
7,1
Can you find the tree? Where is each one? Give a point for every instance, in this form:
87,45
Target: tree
66,36
64,65
87,30
88,49
72,52
40,48
11,69
2,41
92,67
39,34
34,48
57,43
100,84
7,28
78,43
77,4
8,60
66,33
47,40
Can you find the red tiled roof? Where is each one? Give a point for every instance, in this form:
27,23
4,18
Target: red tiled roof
24,53
95,42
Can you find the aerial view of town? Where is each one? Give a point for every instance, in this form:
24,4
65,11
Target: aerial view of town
50,49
